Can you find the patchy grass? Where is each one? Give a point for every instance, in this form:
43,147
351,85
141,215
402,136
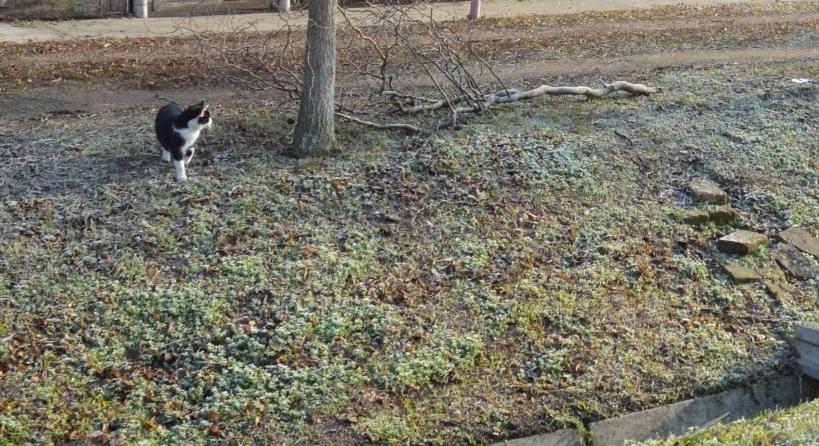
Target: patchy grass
527,271
795,426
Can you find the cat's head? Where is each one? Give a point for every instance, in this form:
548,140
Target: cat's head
196,116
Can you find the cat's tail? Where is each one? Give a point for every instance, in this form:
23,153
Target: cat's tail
166,99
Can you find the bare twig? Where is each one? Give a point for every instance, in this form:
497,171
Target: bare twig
396,126
166,99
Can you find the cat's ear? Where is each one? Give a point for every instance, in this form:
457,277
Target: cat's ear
203,107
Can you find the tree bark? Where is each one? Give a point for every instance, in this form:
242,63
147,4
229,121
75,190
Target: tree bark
474,10
315,132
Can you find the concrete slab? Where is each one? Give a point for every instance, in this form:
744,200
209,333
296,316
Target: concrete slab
680,417
562,437
790,259
741,242
802,239
165,26
708,191
807,344
808,331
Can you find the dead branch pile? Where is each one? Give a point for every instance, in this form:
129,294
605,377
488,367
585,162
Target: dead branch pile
391,62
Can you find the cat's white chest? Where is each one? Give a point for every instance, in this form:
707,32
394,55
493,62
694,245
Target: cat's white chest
189,135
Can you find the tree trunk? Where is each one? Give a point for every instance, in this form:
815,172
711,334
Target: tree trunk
474,10
284,5
315,131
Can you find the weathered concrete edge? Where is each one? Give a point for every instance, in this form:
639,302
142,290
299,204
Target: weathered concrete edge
807,345
678,418
808,332
562,437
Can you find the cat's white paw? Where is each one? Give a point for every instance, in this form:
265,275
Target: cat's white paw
179,166
166,156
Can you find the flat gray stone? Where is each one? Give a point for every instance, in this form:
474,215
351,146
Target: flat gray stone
678,418
739,273
723,215
720,215
563,437
778,290
800,238
741,242
708,191
696,217
794,262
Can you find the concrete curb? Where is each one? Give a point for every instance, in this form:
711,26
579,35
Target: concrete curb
807,344
562,437
680,418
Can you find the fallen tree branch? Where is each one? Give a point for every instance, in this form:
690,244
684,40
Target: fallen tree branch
502,96
432,106
513,95
634,89
397,126
395,94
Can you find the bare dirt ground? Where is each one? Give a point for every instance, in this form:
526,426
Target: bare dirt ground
528,271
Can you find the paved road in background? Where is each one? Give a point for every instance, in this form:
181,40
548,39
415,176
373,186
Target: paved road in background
163,26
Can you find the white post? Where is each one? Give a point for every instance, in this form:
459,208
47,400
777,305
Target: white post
141,8
284,5
474,10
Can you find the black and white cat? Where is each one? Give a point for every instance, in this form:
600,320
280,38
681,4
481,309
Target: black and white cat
178,130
